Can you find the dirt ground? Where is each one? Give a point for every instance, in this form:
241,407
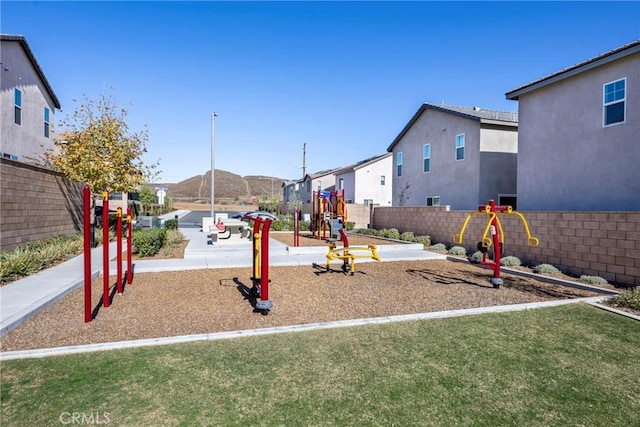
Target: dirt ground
213,300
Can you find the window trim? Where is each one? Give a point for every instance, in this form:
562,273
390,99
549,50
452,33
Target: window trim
622,101
383,180
46,122
17,106
425,158
399,165
463,139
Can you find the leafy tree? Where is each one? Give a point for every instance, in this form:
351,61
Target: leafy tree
95,147
147,198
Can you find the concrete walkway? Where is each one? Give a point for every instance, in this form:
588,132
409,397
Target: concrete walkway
23,298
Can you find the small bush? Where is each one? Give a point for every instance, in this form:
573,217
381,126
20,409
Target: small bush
305,225
510,261
171,224
173,238
438,247
425,240
148,242
390,233
628,299
407,236
457,250
476,257
349,225
593,280
546,269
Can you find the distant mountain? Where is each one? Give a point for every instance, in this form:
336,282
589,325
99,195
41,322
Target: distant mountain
228,186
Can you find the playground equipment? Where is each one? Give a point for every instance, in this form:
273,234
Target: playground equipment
88,315
260,278
348,254
329,213
494,228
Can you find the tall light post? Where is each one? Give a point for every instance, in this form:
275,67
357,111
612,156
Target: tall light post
213,164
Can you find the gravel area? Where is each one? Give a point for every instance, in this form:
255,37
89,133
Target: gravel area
203,301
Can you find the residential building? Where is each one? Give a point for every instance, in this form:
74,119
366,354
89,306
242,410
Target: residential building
456,156
27,101
579,136
319,181
367,182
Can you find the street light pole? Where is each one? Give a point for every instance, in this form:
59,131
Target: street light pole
213,165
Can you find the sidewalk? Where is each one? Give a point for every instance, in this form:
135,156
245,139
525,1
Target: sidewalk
23,298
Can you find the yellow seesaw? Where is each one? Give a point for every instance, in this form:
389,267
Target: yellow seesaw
348,254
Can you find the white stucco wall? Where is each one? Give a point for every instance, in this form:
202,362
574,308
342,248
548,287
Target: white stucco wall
368,182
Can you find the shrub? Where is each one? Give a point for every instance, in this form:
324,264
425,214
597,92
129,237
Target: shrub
593,280
32,257
349,225
390,233
629,299
457,250
438,247
407,236
171,224
305,225
148,242
425,240
546,269
476,257
510,261
368,231
173,237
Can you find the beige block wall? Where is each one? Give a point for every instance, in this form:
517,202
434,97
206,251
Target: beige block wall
605,244
36,204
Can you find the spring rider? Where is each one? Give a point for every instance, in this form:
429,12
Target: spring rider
494,229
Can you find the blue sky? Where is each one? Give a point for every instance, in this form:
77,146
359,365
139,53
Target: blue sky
342,77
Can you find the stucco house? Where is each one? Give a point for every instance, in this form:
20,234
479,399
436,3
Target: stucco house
28,103
319,181
579,136
456,156
367,182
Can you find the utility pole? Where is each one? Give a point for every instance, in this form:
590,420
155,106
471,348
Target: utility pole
304,154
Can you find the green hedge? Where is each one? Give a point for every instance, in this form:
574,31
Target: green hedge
148,242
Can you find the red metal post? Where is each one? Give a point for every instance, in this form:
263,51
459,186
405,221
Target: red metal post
264,260
296,228
129,241
105,248
119,251
87,253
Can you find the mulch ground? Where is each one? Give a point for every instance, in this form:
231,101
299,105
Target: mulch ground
214,300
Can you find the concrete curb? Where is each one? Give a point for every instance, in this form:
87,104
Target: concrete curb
60,351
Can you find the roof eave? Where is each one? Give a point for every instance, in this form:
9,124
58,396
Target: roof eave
578,69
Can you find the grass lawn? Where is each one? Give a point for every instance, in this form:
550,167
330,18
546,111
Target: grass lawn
569,365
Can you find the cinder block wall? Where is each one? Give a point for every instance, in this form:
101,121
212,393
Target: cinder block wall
36,204
605,244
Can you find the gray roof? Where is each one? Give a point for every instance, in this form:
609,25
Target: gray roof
612,55
362,163
23,42
472,113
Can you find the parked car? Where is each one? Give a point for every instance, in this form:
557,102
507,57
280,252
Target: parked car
256,214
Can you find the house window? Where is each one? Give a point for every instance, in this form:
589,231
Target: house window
460,147
426,157
614,102
319,185
399,163
17,109
341,184
382,180
433,201
46,122
368,202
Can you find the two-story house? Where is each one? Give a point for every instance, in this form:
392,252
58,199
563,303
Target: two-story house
27,101
319,181
367,182
579,136
456,156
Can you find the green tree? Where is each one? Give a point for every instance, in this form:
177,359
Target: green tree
95,147
147,199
